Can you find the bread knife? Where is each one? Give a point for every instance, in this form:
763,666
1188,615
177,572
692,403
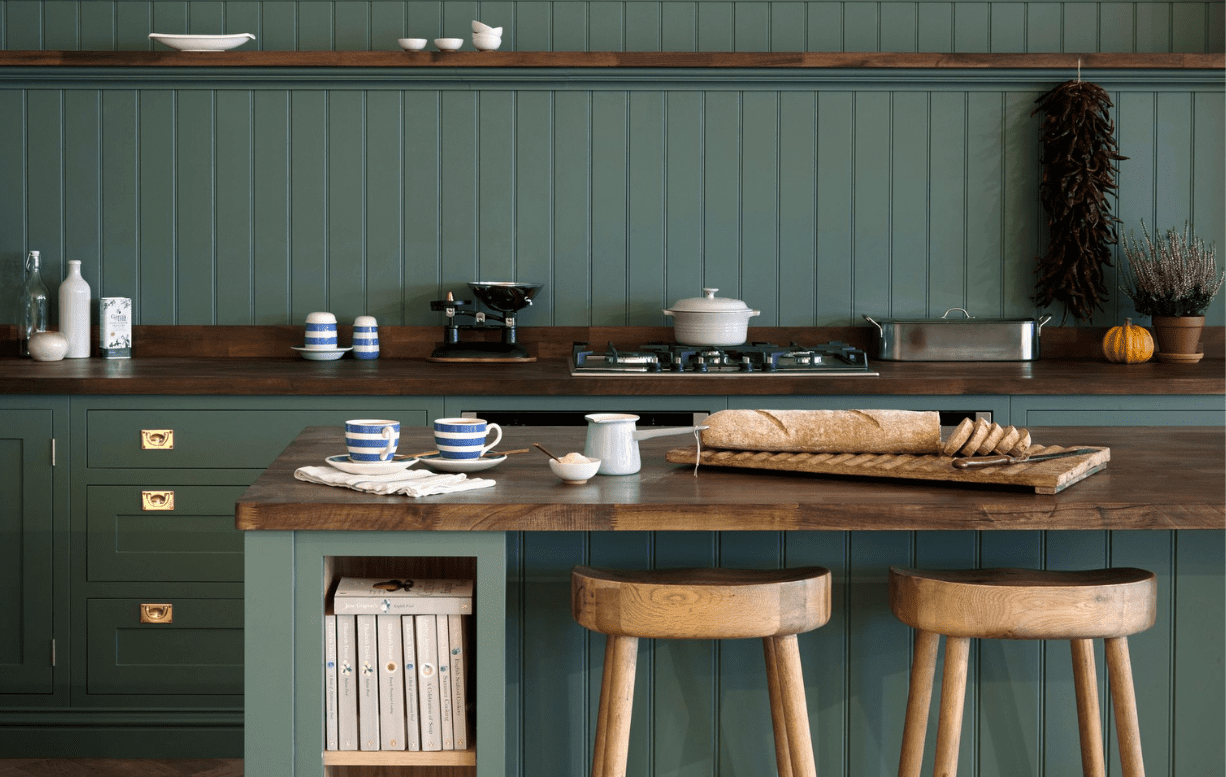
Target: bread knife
990,461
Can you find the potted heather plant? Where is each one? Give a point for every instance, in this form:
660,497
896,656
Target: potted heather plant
1172,277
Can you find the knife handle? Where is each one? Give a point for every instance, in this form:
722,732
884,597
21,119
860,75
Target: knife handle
983,461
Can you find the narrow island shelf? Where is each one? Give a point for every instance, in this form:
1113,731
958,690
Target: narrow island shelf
401,758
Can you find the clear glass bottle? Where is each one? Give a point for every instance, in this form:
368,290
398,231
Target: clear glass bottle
33,307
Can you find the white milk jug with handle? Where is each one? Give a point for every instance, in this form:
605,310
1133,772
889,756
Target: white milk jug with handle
612,438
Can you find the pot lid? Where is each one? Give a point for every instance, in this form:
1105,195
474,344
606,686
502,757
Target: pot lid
709,303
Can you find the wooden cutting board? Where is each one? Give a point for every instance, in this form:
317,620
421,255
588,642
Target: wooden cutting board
1045,477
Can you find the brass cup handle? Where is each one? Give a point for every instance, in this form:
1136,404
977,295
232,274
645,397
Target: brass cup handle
157,439
157,613
157,500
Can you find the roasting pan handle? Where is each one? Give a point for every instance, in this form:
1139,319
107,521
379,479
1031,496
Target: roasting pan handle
880,328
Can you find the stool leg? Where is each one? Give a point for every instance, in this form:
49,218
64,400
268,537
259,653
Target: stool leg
796,714
783,755
1119,670
953,696
1085,683
919,697
616,699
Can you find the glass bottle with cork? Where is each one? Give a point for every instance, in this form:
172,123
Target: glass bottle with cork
33,310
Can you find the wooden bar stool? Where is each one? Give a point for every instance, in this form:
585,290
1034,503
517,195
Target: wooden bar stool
771,604
1022,604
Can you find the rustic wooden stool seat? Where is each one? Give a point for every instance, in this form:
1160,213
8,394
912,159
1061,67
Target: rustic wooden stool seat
1106,604
773,605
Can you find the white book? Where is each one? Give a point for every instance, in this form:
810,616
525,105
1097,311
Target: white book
445,724
412,726
331,732
429,709
346,682
368,684
459,681
402,596
391,683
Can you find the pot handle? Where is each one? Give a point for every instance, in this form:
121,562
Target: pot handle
646,434
1042,320
880,328
951,310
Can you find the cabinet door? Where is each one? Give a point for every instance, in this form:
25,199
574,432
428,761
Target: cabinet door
25,551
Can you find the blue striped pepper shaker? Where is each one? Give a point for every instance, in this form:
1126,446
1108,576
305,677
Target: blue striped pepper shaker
365,338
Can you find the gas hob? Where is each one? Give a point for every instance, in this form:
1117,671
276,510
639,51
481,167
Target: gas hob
761,360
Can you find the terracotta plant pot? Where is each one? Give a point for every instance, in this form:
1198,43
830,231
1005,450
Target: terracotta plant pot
1178,338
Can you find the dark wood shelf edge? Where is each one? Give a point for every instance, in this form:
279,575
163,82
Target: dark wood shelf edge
612,59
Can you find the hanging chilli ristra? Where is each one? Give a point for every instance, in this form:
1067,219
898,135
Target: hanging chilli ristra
1078,159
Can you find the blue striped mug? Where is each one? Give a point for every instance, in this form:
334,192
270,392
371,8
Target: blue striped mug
464,438
372,439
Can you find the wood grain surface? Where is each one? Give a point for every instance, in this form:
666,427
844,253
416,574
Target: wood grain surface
1159,478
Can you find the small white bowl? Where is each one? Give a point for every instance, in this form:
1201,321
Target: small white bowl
412,44
575,474
449,44
479,27
486,41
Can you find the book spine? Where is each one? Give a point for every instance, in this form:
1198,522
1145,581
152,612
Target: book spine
331,731
368,684
391,683
427,683
412,726
459,681
445,724
373,605
347,682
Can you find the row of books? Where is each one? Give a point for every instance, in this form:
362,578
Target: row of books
397,681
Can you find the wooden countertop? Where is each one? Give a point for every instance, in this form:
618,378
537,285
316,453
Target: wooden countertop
1158,478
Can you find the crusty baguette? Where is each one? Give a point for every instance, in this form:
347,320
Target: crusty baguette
958,437
978,435
824,431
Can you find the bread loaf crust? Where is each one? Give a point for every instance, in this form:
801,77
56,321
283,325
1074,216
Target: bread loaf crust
824,431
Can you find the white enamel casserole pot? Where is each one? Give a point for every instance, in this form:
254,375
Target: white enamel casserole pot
710,320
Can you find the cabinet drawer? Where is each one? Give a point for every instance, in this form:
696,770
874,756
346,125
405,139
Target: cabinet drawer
198,652
194,542
207,439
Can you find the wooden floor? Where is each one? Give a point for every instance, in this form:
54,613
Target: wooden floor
108,767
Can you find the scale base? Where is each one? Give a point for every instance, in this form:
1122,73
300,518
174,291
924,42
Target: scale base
480,352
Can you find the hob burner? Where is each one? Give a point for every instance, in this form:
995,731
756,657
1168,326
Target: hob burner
751,359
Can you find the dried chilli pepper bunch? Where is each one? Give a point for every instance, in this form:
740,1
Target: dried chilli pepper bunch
1078,159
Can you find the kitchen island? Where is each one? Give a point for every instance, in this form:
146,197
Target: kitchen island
1160,486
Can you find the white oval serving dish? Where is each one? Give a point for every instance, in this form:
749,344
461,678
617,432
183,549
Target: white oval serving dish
202,42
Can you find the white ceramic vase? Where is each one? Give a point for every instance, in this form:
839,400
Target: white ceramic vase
74,312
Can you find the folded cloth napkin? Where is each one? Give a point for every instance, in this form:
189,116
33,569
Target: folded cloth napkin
414,482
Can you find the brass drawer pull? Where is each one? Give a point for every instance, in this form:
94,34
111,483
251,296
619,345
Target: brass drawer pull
157,613
157,500
157,439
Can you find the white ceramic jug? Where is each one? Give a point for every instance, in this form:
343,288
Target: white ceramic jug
612,438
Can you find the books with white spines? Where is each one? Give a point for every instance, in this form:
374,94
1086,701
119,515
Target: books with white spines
459,681
402,596
427,683
346,682
331,732
391,683
412,726
368,684
445,725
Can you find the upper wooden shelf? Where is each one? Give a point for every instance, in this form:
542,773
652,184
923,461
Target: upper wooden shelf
608,59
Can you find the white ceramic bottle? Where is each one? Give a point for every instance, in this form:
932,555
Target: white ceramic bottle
74,312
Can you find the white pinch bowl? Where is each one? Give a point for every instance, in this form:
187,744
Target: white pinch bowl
479,27
574,474
484,41
448,44
202,42
412,44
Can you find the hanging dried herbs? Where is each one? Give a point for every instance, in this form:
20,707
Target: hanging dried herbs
1078,159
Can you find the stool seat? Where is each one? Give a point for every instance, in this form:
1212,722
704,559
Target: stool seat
1025,603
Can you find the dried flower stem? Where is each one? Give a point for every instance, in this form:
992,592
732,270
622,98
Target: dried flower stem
1172,275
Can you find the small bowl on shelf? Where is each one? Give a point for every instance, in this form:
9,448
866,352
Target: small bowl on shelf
574,473
486,41
448,44
412,44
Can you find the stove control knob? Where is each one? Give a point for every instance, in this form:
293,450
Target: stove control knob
654,366
746,364
700,364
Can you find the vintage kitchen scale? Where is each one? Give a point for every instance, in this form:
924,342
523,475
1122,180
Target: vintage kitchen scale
506,299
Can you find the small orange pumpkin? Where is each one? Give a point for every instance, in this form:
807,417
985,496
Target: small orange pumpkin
1128,344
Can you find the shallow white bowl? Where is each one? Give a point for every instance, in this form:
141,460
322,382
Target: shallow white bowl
449,44
203,42
486,41
412,44
321,355
479,27
574,474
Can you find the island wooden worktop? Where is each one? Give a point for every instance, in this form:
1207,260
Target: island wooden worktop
1158,478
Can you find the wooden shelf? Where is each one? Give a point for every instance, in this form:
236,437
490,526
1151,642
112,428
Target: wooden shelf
400,758
608,59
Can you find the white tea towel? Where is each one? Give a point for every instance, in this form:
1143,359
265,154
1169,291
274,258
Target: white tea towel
413,482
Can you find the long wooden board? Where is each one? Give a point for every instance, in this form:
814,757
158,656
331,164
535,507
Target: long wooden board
1045,477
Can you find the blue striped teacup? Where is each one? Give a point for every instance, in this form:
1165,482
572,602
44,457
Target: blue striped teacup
463,438
365,338
370,439
320,332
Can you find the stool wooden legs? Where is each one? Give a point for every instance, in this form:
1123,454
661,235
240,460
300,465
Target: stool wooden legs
953,695
789,715
1085,683
915,728
1119,670
616,700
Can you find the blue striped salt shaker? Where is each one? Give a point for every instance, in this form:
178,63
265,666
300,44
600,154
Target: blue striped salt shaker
365,338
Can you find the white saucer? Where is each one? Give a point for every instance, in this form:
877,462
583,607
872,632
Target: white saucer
321,354
397,463
436,461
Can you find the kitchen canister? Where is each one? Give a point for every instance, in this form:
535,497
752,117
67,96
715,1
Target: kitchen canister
365,338
74,311
115,327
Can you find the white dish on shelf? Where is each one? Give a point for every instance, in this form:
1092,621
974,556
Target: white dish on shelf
344,464
448,44
203,42
321,354
436,461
